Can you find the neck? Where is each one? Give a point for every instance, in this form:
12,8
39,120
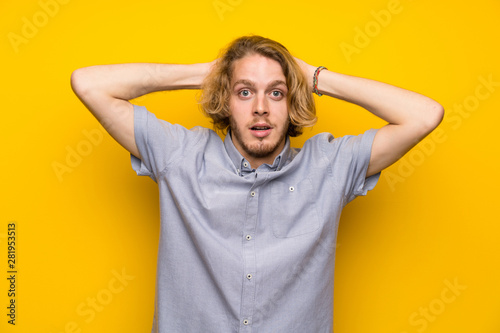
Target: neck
257,161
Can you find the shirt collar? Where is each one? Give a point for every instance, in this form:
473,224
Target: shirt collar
243,166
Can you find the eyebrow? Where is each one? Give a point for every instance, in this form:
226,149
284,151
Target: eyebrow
252,84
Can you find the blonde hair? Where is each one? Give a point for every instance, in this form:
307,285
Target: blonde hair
216,88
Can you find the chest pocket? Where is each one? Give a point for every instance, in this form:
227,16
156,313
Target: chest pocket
296,212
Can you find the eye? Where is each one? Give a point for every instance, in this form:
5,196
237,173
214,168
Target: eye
244,93
277,94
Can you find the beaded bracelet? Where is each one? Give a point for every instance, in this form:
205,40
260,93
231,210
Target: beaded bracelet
315,80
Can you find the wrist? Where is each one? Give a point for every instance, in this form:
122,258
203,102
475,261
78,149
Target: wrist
181,76
317,71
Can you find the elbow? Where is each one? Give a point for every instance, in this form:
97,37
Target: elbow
80,82
434,114
76,79
437,115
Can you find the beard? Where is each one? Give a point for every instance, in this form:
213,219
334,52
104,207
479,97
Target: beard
258,149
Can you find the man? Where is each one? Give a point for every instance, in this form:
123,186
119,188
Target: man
249,224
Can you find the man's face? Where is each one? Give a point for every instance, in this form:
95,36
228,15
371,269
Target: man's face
259,111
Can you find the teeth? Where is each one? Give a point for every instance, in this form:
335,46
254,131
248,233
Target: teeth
260,128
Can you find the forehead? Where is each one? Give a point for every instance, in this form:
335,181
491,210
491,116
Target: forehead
258,69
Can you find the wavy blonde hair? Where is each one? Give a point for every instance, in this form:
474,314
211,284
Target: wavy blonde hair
216,88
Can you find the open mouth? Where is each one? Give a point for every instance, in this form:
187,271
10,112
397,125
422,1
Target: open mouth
261,130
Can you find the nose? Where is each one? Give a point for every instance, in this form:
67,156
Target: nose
260,106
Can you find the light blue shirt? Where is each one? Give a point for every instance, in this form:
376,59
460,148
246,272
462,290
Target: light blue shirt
245,250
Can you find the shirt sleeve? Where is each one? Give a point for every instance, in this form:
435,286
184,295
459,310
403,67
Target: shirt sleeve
350,157
159,143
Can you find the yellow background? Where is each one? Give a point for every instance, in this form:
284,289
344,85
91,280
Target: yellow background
431,222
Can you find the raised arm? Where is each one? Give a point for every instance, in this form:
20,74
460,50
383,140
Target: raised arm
106,90
410,116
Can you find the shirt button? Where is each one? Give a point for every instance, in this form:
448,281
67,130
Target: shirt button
245,164
292,188
249,276
246,322
252,194
248,237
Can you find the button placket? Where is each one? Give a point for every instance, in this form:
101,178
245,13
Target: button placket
249,254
